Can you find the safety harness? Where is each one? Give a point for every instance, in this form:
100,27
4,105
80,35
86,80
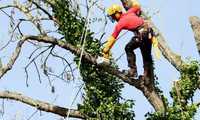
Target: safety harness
145,28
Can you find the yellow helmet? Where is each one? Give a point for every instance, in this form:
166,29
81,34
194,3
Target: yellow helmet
113,9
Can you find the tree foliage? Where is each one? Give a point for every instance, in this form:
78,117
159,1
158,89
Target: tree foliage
102,99
182,93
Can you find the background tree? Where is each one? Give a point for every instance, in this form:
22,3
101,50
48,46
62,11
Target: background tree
59,25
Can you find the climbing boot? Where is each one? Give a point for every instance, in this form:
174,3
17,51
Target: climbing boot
132,73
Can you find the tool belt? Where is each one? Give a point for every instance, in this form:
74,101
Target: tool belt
144,31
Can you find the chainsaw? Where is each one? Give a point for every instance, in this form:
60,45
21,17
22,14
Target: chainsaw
102,60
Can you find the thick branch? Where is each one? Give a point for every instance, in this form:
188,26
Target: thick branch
12,60
195,24
149,94
153,97
171,56
44,106
86,56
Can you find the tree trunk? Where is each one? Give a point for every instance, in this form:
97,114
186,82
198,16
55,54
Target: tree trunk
153,98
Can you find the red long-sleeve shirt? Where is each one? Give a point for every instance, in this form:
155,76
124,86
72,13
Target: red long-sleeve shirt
128,21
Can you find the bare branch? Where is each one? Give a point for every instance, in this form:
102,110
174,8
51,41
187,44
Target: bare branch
68,65
26,10
12,35
32,115
7,6
32,61
12,60
40,105
38,72
195,24
45,11
172,57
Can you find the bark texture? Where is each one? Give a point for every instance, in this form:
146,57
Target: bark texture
40,105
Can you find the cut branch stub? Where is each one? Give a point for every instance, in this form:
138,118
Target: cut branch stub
195,24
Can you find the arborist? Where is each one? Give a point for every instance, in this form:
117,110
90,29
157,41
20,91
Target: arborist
142,39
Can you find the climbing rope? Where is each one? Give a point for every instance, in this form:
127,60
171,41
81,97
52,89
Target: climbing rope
83,39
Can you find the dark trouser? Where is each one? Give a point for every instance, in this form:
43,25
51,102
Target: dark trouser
144,43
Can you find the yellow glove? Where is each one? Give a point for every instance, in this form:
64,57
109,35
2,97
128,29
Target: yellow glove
106,55
155,46
110,42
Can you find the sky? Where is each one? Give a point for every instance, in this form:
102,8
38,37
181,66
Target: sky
172,20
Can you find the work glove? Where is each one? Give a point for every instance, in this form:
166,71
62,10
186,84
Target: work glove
106,55
108,45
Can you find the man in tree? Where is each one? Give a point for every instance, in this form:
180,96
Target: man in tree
143,35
